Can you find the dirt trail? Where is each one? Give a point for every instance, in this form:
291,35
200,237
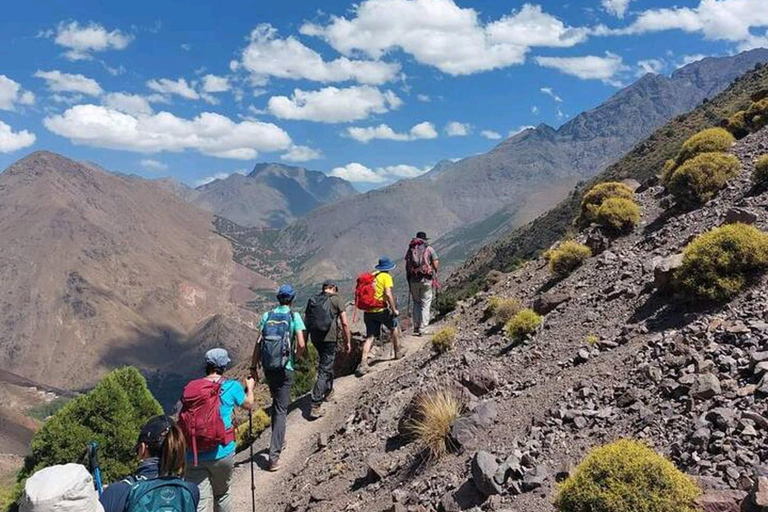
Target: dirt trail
302,434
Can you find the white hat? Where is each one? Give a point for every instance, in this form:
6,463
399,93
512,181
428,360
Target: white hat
67,488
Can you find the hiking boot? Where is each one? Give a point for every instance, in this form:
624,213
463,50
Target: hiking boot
316,412
416,332
363,369
274,465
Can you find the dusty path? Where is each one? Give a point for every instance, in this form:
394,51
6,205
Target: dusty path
302,434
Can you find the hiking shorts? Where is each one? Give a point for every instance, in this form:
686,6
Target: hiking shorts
374,321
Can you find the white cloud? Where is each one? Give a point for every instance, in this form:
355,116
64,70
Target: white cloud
590,67
402,171
520,129
425,130
11,94
153,165
424,98
358,173
84,40
218,176
12,141
616,7
334,105
655,66
128,103
269,56
490,134
439,33
457,129
551,93
214,84
209,133
65,82
690,59
535,110
301,154
178,87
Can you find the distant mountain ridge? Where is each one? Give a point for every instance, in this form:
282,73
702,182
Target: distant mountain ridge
272,195
463,204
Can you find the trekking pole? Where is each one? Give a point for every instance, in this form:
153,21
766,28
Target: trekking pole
253,481
93,463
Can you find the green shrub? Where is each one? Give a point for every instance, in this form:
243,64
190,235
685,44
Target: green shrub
618,214
711,140
9,496
568,257
305,373
667,171
627,476
757,115
699,179
719,264
442,340
737,124
111,414
522,324
760,175
261,422
503,309
45,411
591,340
597,195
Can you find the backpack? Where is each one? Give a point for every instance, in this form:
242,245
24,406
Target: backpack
200,417
318,315
166,494
417,263
276,341
365,293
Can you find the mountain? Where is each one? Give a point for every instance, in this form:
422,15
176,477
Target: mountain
272,195
644,161
516,181
99,270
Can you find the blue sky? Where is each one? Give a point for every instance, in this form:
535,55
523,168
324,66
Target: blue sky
374,91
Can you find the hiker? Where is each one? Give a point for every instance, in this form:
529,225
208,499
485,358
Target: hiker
374,295
421,266
325,317
207,406
162,450
67,487
280,342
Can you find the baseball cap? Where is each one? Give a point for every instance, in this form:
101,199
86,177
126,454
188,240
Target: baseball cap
154,431
217,357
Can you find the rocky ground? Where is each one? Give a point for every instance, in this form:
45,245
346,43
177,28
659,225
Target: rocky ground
615,357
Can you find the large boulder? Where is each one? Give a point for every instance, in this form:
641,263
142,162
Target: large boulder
546,302
664,269
484,468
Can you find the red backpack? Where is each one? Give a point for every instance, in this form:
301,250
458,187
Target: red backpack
200,417
365,293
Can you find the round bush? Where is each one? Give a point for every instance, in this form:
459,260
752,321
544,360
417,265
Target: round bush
760,176
618,214
757,115
568,257
442,341
503,309
699,179
710,140
627,476
737,124
599,193
720,263
522,324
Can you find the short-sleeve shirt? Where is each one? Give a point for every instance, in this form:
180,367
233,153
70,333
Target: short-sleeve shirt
232,395
296,325
383,281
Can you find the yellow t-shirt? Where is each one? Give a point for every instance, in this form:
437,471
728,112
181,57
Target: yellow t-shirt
383,281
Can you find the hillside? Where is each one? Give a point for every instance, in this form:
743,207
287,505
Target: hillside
525,175
99,270
645,160
272,195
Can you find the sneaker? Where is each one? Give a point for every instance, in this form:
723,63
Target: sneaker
363,369
316,412
417,333
274,465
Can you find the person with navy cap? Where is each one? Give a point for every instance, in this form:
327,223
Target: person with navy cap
280,342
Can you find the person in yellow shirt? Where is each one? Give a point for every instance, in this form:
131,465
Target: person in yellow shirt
385,316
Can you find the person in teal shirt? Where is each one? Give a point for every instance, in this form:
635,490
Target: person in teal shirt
280,380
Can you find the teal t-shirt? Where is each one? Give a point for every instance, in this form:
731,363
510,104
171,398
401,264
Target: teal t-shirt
232,395
296,325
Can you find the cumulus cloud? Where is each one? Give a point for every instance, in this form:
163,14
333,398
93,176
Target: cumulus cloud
551,93
84,40
690,59
301,154
218,176
423,98
209,133
128,103
425,130
334,105
13,141
439,33
358,173
179,87
457,129
12,94
153,165
267,55
214,84
490,134
616,7
590,67
655,66
66,82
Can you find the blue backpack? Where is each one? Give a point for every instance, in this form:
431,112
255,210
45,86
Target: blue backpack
166,494
276,341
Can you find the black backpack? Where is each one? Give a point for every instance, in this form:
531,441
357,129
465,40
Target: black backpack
318,315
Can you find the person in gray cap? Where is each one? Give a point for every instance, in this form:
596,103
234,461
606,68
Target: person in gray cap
210,467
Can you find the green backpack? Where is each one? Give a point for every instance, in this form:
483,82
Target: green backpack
166,494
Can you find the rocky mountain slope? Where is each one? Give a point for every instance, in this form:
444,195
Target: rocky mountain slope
272,195
98,270
644,161
524,175
614,358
